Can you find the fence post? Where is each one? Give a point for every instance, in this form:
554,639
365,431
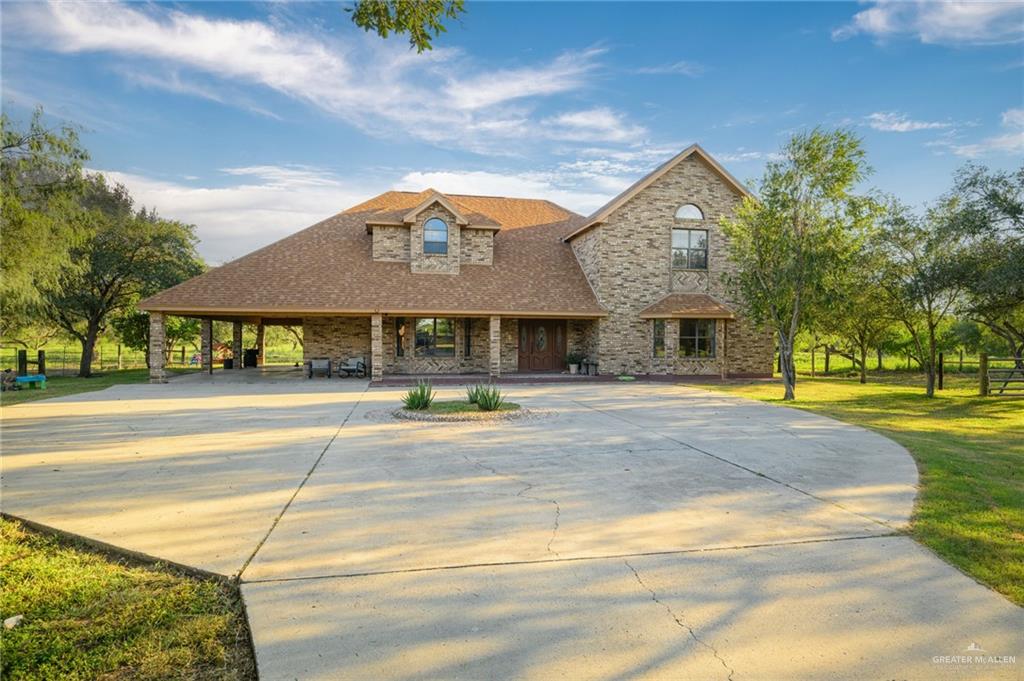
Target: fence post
983,374
961,369
119,366
22,363
942,369
41,362
828,357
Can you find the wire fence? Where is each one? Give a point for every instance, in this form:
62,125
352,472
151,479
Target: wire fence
65,360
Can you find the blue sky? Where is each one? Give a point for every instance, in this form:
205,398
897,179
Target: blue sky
255,120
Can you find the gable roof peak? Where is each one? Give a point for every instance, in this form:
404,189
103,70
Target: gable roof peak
602,213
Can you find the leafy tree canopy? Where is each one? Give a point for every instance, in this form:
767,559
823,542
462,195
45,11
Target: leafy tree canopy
423,20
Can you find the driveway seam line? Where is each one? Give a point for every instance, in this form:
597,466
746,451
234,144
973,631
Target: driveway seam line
287,505
576,559
681,623
741,467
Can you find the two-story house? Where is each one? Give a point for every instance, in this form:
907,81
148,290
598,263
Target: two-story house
433,283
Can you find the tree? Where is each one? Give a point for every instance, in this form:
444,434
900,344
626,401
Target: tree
861,316
125,254
40,174
792,244
132,328
918,286
986,226
421,19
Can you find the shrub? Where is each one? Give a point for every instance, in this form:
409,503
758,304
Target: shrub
575,358
420,397
473,393
489,398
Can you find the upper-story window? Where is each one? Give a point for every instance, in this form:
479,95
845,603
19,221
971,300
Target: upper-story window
688,211
435,236
689,249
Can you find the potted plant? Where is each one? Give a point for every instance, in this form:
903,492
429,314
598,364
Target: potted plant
573,359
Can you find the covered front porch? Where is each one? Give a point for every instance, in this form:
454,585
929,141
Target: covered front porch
408,345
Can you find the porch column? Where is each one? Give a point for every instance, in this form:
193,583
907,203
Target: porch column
376,347
236,344
722,333
495,347
157,342
206,344
260,350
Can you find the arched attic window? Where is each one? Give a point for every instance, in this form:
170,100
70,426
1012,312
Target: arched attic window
689,211
435,236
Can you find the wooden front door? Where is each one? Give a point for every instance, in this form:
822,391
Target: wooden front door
541,344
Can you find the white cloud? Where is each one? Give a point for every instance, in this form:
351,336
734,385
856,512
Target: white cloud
1008,142
682,68
378,86
271,202
592,125
554,186
897,122
745,155
952,22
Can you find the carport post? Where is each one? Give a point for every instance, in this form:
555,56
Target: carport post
260,350
376,347
236,345
495,363
157,340
206,344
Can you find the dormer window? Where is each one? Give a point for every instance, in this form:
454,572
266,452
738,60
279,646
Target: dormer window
435,236
688,211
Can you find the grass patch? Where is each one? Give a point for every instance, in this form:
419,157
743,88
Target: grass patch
88,615
58,386
970,454
462,406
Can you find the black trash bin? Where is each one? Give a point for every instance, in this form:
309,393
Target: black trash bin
250,357
229,363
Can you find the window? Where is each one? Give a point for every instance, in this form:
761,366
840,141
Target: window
467,333
689,249
688,211
659,337
696,337
435,236
435,337
399,336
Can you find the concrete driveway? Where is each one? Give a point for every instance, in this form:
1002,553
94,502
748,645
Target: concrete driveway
629,531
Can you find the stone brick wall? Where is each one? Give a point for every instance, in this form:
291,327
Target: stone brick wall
477,246
447,263
630,266
391,243
581,337
336,337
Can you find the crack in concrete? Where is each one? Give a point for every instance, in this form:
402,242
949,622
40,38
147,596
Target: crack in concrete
681,623
284,509
574,559
527,486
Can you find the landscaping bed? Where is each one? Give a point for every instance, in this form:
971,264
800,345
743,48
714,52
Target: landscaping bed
461,410
88,615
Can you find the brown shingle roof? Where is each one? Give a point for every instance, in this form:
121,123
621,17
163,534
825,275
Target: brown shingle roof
690,305
329,269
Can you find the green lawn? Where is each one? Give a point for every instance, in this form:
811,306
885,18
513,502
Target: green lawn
970,454
58,386
88,615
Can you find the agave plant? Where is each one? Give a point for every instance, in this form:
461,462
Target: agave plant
473,393
489,398
420,397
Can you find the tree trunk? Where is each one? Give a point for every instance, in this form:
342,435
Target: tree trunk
88,347
788,372
863,363
930,363
879,350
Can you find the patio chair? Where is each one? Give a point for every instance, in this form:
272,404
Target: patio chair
355,366
318,364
